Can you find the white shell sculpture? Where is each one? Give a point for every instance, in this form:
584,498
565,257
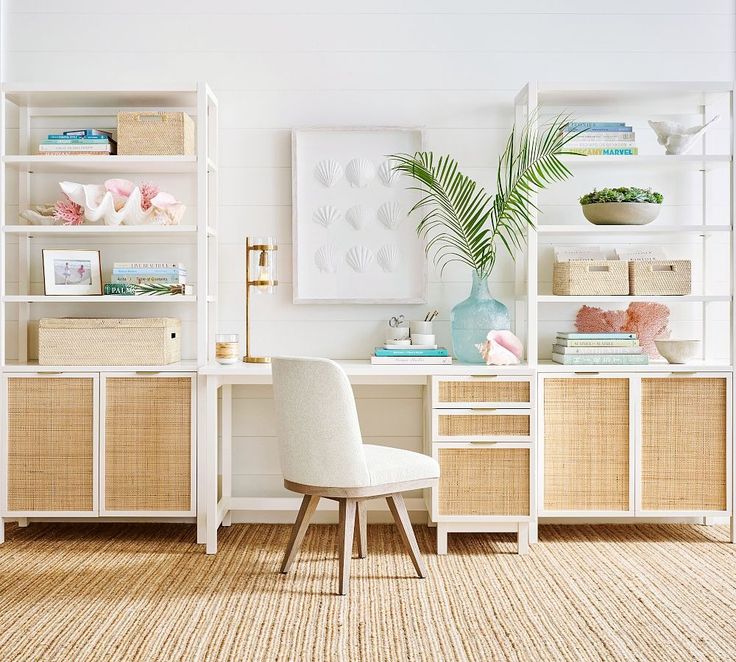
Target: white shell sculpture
326,216
359,216
389,257
328,172
359,258
327,258
101,204
387,174
390,214
677,138
360,173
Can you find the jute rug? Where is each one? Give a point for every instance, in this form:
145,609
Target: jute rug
147,592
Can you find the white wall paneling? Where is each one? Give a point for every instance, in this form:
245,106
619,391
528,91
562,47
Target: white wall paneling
452,68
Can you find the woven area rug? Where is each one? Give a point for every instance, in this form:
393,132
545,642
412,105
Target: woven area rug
147,592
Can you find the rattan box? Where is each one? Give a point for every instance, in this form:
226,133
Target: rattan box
660,277
155,133
144,341
590,277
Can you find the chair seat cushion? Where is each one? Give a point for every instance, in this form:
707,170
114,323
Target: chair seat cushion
396,465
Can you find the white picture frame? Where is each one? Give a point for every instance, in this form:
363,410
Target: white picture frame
368,252
71,272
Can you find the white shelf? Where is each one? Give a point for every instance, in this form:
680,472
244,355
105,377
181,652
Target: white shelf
582,299
111,298
27,94
632,230
137,164
32,366
708,161
101,230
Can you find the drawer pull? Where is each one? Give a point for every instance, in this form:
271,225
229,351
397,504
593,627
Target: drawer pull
587,372
483,408
484,376
484,443
147,372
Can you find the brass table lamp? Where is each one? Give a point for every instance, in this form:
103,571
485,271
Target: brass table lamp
260,273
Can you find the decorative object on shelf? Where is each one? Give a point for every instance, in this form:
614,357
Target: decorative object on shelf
120,201
410,355
227,348
87,142
160,289
462,222
501,348
155,133
261,276
40,215
351,241
590,278
602,138
678,138
621,206
397,330
645,319
145,273
660,277
68,212
71,272
678,350
598,349
89,341
422,333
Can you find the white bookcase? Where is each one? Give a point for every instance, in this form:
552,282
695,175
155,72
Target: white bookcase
28,113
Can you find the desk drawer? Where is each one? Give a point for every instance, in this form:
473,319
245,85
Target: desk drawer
482,390
485,424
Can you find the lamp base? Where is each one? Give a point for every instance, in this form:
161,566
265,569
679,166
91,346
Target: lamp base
256,359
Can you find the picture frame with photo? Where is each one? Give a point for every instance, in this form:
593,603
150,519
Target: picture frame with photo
71,272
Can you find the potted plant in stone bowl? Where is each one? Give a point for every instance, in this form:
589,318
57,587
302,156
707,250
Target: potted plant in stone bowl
625,205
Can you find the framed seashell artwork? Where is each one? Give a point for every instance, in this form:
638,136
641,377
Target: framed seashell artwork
354,232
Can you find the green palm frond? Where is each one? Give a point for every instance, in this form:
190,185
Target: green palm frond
461,221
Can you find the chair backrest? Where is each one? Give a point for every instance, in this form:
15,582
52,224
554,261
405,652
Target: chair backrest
319,435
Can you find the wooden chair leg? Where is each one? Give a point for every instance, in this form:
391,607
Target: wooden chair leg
361,527
345,542
398,509
309,505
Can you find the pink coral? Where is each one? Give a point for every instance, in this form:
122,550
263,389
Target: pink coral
647,320
68,212
148,193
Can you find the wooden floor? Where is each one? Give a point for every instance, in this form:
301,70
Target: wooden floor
147,592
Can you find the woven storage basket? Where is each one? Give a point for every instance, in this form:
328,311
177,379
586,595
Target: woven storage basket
660,277
146,341
590,277
155,133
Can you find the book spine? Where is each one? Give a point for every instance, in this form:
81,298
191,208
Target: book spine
607,349
604,136
75,140
154,271
411,360
74,148
607,151
597,343
120,289
594,144
139,280
596,126
87,133
408,352
579,335
148,265
601,359
66,152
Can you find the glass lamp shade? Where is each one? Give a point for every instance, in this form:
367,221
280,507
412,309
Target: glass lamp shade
262,271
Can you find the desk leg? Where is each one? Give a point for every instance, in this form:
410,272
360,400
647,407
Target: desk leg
210,466
202,418
226,430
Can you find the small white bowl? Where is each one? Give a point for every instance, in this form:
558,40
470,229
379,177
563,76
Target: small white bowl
422,339
678,351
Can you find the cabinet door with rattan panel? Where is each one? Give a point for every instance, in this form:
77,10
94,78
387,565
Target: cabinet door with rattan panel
490,481
147,444
51,438
586,444
684,439
463,425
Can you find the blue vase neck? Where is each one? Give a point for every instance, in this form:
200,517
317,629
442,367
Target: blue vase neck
479,289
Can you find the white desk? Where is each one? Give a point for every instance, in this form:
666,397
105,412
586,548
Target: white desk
211,511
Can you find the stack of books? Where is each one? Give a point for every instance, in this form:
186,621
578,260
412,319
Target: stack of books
131,278
598,349
602,138
408,355
89,142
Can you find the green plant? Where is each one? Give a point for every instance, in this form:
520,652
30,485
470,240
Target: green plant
462,221
622,194
158,289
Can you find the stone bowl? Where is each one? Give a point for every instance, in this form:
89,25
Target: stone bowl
677,351
621,213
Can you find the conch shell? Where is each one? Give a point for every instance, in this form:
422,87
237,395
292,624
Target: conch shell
501,348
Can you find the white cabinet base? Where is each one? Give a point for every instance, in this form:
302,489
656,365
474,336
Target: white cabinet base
522,529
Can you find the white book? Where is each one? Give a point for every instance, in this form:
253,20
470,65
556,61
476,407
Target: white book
601,349
411,360
103,149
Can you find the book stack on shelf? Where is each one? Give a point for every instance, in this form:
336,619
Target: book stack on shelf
131,278
411,355
598,349
78,142
602,138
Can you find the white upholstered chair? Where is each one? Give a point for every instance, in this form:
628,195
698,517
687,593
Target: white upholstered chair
323,455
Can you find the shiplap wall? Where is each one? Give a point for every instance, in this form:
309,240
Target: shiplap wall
452,66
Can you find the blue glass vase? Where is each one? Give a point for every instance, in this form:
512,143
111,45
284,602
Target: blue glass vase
472,319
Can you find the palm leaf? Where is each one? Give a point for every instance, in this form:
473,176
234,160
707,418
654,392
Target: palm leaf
461,221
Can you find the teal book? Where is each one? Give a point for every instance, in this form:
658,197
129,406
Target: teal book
408,351
574,335
601,359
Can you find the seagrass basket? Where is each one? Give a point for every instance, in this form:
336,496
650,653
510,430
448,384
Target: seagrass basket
590,277
660,277
145,341
155,133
